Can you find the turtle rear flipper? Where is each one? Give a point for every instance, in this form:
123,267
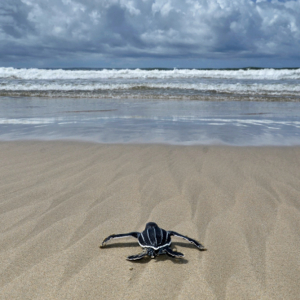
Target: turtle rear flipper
172,253
138,256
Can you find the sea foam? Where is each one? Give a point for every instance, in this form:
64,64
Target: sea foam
263,74
152,84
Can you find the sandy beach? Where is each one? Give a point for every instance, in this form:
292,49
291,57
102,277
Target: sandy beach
59,200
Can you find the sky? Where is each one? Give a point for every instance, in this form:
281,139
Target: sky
149,33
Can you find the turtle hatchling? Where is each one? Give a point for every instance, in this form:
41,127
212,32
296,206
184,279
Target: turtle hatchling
155,241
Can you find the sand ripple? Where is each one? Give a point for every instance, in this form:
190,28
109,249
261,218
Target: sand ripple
58,200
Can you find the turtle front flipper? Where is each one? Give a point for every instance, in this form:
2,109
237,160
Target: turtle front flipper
172,253
118,236
196,243
138,256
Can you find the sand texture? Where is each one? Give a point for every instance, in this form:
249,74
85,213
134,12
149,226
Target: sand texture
59,200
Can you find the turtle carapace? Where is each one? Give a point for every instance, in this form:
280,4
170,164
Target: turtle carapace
155,241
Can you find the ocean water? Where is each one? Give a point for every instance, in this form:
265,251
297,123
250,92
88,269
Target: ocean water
179,84
234,107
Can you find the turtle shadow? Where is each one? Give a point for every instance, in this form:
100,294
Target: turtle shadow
161,258
119,245
131,245
185,245
145,260
179,261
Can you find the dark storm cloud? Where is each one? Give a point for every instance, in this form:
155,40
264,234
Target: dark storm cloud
148,28
14,19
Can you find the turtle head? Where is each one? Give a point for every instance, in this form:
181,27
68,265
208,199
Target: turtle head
151,225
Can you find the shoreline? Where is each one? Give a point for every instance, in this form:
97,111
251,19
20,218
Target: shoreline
152,122
216,144
60,199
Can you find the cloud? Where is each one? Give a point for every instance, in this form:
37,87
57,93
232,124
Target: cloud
111,29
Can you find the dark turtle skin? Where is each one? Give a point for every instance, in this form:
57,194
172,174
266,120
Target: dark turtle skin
155,241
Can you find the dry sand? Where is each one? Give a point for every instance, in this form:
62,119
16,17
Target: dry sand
58,200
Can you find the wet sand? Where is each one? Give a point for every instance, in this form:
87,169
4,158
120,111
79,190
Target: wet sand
59,200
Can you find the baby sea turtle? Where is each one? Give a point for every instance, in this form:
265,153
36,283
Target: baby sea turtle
155,241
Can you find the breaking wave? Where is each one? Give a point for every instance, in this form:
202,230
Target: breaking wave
258,84
54,74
